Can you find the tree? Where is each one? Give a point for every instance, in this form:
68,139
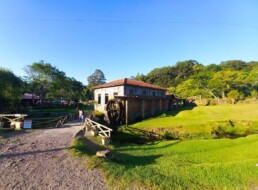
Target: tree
11,89
75,89
188,89
164,76
225,81
185,69
42,75
233,65
96,78
233,94
201,81
86,94
140,77
254,94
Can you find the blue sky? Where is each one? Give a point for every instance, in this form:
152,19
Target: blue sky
125,37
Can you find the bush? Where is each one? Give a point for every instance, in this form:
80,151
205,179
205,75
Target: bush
171,135
213,102
202,102
98,117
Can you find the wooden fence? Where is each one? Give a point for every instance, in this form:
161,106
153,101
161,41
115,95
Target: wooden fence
50,122
10,119
102,130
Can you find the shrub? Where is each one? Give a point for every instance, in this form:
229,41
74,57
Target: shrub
171,135
213,102
202,102
98,116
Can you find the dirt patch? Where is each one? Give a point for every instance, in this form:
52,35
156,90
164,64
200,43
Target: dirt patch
39,159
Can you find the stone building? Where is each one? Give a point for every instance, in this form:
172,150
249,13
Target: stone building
139,99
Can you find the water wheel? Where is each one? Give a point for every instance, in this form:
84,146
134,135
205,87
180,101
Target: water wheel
115,113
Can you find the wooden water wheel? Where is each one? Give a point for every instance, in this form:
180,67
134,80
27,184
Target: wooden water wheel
115,112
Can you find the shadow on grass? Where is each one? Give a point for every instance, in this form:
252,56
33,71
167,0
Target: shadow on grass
176,111
127,134
133,161
120,147
84,146
124,137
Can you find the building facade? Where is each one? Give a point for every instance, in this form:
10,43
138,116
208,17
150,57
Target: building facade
139,99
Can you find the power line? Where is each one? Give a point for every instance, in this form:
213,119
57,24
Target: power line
129,21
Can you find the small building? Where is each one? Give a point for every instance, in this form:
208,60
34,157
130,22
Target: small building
29,99
139,99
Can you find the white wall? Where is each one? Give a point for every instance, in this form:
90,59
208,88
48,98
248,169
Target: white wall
122,90
110,91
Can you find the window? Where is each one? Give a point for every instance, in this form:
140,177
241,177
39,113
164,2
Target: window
144,92
99,98
153,93
106,98
130,91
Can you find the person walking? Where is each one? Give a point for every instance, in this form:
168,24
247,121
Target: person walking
83,116
80,114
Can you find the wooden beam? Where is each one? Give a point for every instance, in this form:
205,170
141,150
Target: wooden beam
143,108
126,112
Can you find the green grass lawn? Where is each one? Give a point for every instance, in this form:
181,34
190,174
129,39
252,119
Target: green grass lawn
186,164
203,120
192,164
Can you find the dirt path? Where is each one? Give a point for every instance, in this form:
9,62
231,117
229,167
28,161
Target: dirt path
39,160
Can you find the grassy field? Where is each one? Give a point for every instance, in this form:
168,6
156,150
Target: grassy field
184,164
203,121
192,164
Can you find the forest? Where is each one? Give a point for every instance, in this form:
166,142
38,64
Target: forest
47,82
234,79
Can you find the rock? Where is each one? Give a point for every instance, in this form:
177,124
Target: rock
104,153
79,133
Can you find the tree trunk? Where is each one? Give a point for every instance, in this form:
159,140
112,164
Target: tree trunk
42,97
223,95
211,93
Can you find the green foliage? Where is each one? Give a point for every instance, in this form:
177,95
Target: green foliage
254,94
48,81
140,77
99,116
96,78
233,94
202,102
234,65
190,78
11,89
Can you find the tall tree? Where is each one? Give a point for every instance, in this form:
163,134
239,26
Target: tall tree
233,95
42,75
96,78
11,89
225,81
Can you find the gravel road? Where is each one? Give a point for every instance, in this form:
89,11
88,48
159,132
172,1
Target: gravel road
38,159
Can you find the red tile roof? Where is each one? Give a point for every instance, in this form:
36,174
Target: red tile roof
130,82
29,96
